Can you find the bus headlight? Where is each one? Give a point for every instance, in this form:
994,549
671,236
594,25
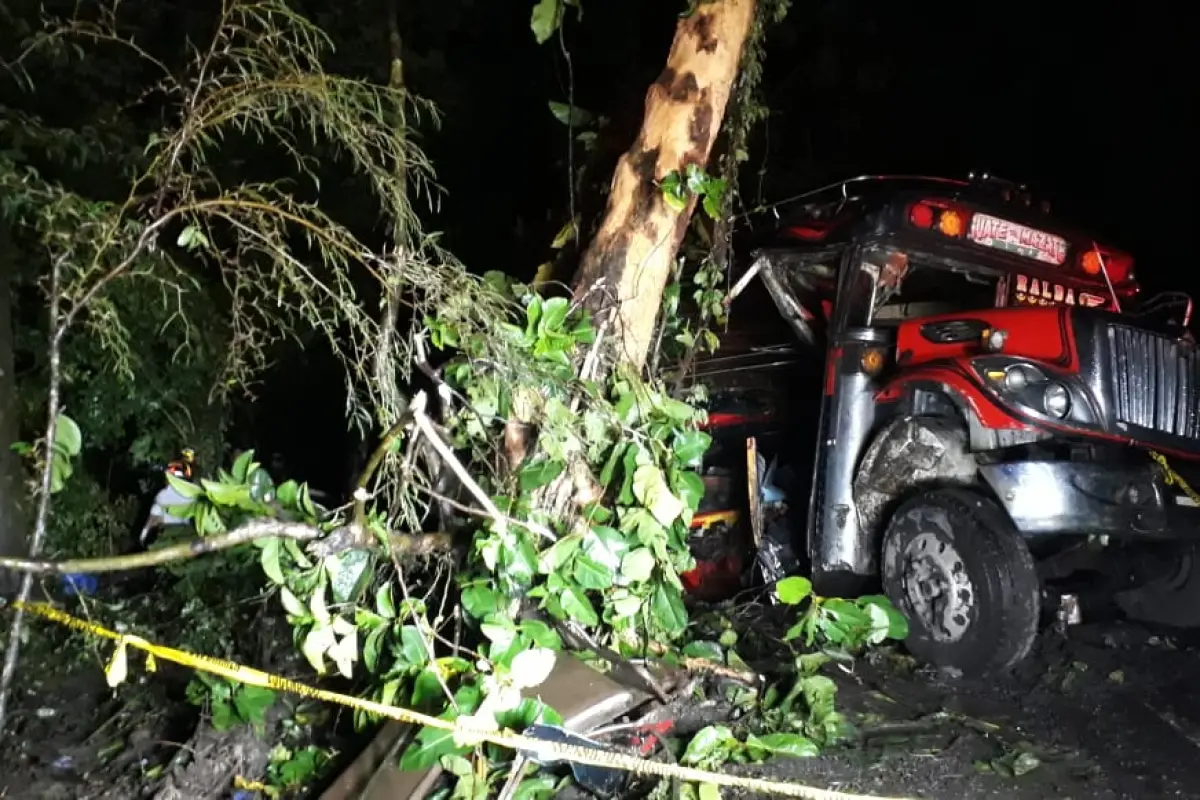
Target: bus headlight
1056,400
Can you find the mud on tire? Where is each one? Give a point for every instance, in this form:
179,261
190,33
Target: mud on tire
956,567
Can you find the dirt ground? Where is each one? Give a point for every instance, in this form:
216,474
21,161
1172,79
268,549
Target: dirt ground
1109,711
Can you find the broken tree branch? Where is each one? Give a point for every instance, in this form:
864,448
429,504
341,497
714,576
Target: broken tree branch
322,544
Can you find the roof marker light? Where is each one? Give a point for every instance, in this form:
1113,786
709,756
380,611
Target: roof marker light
951,223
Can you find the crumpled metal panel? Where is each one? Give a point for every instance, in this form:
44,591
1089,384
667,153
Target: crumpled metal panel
909,452
585,697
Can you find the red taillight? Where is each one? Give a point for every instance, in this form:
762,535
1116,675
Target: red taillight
1118,265
921,215
940,216
809,233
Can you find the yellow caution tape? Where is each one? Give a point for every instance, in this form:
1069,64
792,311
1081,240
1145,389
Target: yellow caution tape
538,748
255,786
1173,478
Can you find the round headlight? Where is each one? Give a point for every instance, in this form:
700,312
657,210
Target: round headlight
1016,379
1056,400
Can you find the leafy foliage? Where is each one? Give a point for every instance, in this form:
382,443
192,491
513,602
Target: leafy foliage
625,449
851,624
230,703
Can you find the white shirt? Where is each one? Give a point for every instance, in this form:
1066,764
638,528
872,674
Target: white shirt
165,499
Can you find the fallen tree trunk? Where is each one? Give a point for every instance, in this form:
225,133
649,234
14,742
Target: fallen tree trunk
625,268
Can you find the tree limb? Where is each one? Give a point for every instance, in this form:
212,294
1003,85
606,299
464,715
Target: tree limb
324,544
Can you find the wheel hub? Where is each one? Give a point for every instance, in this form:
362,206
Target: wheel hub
937,587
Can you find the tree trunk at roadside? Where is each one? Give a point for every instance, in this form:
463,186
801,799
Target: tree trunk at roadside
13,521
625,268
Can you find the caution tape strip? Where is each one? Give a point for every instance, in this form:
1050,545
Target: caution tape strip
533,748
1172,477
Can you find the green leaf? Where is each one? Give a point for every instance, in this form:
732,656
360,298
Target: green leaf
545,19
316,643
385,606
677,410
897,625
785,744
67,435
554,557
820,694
606,546
225,494
591,574
269,558
353,571
287,493
252,702
625,605
554,314
539,473
541,634
223,716
241,466
666,606
567,231
673,190
689,487
531,711
850,621
576,117
304,502
292,604
710,747
185,488
652,491
519,560
1025,763
261,486
578,607
706,650
372,646
690,447
539,787
638,565
610,466
427,686
431,744
793,590
191,238
411,652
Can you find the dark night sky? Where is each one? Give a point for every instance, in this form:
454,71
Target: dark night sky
1092,110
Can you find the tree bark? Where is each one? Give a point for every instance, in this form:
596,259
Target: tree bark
626,266
14,520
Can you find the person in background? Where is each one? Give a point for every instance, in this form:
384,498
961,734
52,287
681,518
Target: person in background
167,497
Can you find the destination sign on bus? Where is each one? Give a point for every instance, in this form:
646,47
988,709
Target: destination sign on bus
1013,238
1038,292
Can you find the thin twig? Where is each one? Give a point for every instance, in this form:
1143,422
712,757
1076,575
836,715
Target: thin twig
428,645
479,512
426,427
41,521
514,777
